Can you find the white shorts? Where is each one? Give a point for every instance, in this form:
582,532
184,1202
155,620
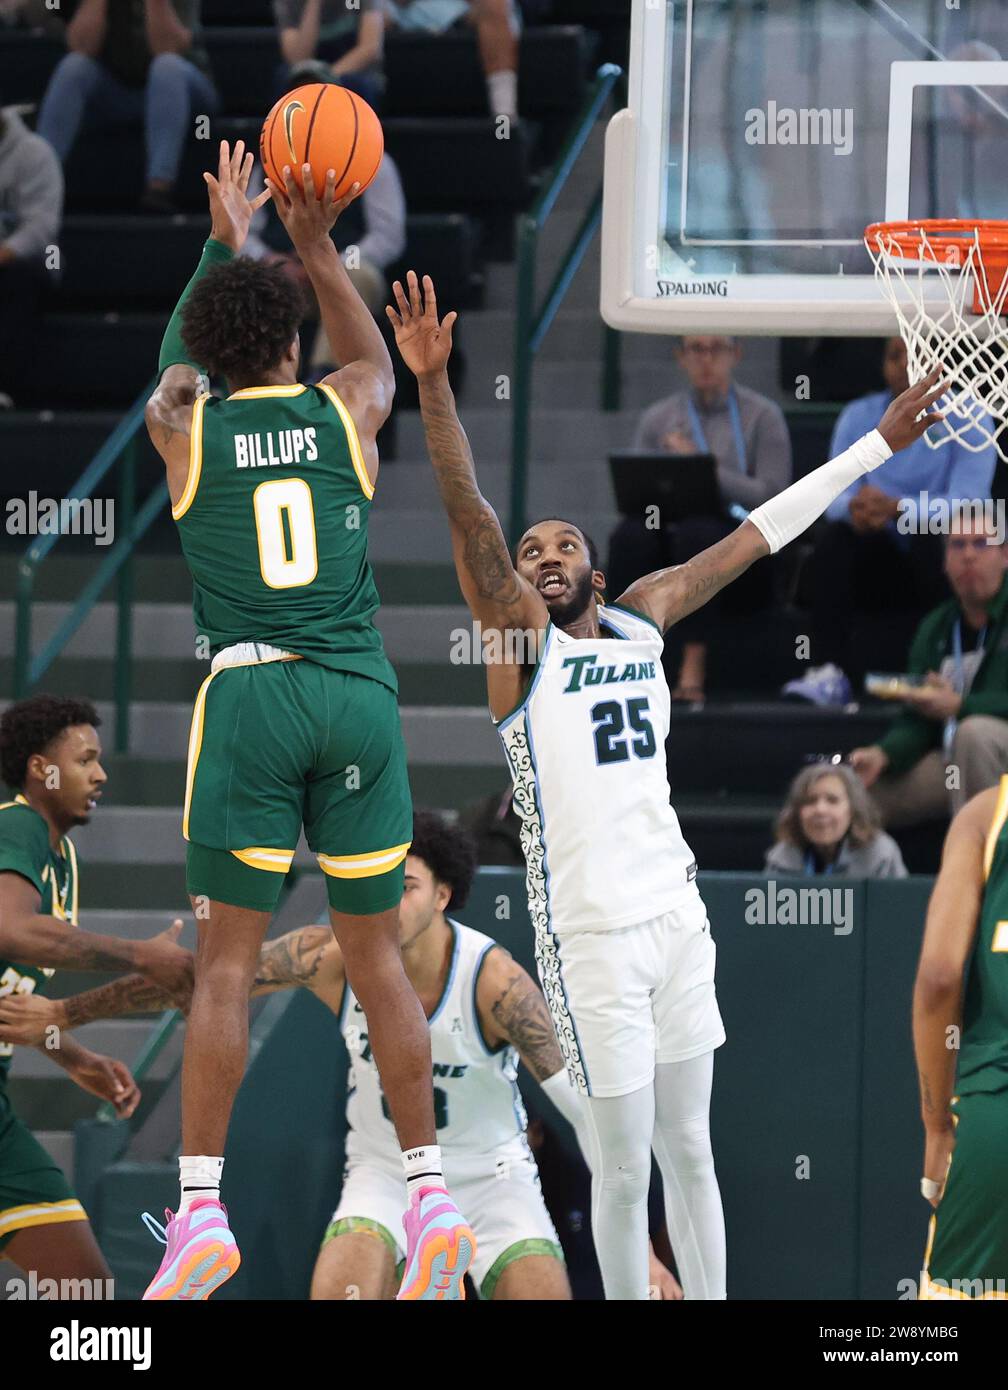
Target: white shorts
504,1207
624,999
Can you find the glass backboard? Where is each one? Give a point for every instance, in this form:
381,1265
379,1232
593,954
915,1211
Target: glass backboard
763,136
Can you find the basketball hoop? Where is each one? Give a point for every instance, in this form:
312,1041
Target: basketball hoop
948,283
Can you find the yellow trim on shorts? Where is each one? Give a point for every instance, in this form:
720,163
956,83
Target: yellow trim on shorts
381,861
356,452
941,1292
251,393
274,861
195,745
195,459
40,1214
997,825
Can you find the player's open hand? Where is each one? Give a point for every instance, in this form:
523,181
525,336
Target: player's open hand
308,216
166,964
424,343
231,208
910,414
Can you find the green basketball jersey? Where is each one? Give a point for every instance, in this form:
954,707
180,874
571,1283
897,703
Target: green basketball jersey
25,850
983,1055
273,525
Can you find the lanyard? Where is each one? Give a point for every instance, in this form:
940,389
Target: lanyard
957,652
700,437
810,864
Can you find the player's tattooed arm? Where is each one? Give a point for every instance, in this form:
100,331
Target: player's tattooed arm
495,593
949,935
512,1009
667,596
308,958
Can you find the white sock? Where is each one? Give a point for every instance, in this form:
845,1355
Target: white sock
422,1168
200,1179
502,88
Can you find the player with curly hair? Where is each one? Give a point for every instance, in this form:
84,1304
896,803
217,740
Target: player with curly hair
50,758
298,721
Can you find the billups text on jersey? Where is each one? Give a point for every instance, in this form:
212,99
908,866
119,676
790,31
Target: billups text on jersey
273,447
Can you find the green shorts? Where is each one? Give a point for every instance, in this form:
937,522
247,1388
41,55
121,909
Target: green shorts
281,744
967,1254
33,1191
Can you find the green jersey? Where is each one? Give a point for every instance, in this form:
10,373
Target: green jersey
273,525
25,850
983,1054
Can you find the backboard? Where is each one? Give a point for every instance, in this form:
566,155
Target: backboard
763,136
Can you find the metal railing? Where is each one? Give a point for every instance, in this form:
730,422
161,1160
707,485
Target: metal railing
532,325
122,447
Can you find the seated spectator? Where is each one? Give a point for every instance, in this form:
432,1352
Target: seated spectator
127,63
31,203
326,41
371,235
497,24
951,741
861,562
495,828
748,436
830,826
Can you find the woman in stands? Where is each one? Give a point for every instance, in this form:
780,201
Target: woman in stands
829,825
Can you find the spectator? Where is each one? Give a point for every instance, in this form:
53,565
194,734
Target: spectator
495,828
748,436
327,41
958,721
31,203
129,62
371,234
862,562
830,826
497,24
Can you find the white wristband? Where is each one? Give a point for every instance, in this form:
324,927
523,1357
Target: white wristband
793,511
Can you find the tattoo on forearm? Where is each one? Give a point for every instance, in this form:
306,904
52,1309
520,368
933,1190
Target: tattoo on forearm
293,959
130,995
521,1014
486,553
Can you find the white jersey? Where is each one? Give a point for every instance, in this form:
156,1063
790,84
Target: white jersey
478,1109
586,747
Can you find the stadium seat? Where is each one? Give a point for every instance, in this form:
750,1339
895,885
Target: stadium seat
26,62
245,63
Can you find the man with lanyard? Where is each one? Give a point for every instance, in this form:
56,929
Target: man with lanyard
747,435
951,741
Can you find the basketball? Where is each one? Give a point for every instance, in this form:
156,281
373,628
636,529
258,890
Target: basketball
327,127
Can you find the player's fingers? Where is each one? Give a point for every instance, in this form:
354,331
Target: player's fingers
308,182
290,183
223,159
237,155
401,300
393,317
448,325
210,181
262,198
414,292
430,298
329,191
932,418
245,172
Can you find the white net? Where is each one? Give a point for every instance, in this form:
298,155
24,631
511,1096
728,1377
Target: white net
949,302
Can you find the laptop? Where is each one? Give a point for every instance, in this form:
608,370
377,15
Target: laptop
680,485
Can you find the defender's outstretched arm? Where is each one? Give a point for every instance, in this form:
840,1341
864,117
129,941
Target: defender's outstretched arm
497,596
669,595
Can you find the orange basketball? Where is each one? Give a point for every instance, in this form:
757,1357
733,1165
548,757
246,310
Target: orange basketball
327,127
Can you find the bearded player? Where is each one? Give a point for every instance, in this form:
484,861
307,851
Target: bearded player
962,991
298,721
623,945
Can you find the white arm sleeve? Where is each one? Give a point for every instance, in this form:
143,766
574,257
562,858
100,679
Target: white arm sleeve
568,1102
793,511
